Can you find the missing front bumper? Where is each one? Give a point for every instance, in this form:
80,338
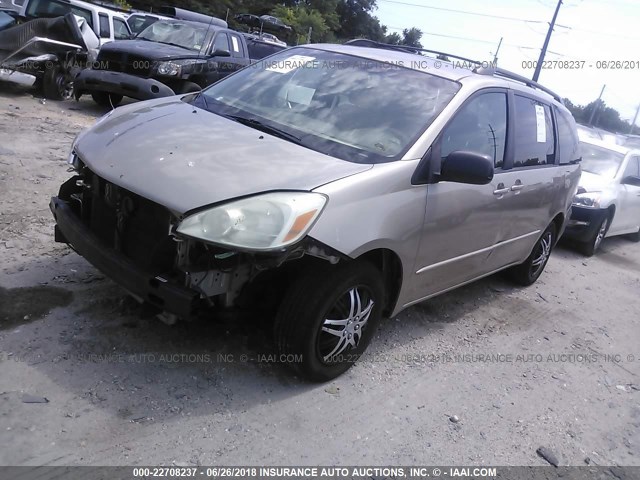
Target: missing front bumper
153,289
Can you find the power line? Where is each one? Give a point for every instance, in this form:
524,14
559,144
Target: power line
466,12
477,40
595,32
502,17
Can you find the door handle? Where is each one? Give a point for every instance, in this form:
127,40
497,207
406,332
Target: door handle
517,187
501,190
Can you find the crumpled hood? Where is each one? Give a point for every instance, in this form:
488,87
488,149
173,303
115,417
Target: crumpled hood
184,157
594,183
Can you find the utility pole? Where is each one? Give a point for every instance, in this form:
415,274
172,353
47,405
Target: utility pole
596,107
309,35
543,52
495,57
633,124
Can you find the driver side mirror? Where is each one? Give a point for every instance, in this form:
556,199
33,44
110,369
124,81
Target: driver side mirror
631,180
221,53
466,167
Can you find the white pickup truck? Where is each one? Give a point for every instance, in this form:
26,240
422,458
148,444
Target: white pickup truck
107,24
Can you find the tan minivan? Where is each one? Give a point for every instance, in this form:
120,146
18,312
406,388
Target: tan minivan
326,186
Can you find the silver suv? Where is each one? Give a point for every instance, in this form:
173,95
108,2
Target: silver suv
325,186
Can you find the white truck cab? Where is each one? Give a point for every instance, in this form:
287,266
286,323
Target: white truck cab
107,24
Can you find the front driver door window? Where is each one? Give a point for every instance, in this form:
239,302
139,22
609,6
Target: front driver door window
480,126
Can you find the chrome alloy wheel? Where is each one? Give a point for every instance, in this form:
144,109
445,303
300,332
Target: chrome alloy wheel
352,311
600,235
543,250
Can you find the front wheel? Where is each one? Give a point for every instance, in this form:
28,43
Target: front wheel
591,246
530,270
328,317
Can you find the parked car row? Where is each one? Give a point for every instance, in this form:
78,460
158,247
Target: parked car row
608,197
173,51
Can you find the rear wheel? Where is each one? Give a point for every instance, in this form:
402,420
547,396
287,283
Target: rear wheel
107,100
328,317
530,270
591,246
56,85
635,237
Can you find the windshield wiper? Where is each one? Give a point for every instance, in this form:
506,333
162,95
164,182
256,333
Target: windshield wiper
263,127
172,44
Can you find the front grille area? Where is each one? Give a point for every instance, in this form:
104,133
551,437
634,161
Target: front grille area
125,63
132,225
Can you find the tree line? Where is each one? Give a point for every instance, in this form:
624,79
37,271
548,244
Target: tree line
604,117
326,20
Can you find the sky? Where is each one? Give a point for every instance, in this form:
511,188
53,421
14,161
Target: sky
586,30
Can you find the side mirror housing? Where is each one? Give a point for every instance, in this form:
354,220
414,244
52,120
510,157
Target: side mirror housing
466,167
221,53
631,180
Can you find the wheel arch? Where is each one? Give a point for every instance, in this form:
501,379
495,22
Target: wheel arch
559,222
390,266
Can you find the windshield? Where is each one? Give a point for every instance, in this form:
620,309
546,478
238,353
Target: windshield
347,107
182,34
600,161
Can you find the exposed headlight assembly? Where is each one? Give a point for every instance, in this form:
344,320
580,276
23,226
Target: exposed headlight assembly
587,199
265,222
170,69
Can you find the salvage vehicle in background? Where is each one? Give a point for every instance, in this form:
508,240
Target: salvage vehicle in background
168,57
326,197
138,21
12,5
47,53
107,24
608,198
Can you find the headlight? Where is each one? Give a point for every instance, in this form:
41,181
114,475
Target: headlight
168,68
587,199
264,222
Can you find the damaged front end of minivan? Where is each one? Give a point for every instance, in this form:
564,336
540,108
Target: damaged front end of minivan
170,262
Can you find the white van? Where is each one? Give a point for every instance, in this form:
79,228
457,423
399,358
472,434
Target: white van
107,24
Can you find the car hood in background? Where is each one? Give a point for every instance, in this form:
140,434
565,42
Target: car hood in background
592,182
184,157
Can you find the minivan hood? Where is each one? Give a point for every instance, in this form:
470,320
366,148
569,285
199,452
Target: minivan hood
184,157
592,182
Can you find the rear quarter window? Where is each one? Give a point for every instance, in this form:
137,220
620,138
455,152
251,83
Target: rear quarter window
534,133
568,142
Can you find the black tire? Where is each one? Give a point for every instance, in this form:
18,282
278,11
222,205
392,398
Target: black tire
106,100
591,246
56,85
530,270
188,87
348,292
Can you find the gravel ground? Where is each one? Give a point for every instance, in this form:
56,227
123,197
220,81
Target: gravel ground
484,375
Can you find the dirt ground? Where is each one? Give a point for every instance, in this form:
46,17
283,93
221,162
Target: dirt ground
553,365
